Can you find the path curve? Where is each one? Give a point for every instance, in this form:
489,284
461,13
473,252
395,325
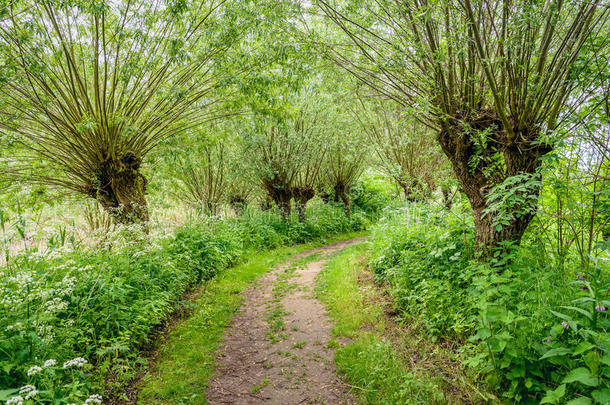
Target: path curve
276,350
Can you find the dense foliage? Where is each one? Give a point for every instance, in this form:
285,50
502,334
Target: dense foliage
72,317
537,331
148,145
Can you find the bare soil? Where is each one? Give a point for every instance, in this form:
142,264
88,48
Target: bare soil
276,349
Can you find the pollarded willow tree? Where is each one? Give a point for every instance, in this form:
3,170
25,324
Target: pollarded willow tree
494,79
307,179
241,184
202,178
282,150
91,87
345,161
347,149
404,147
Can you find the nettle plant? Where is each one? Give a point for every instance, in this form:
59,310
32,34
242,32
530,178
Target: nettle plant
509,202
580,344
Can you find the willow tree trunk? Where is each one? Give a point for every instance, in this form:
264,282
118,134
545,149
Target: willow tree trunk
238,204
266,204
410,195
281,196
411,188
342,193
283,204
521,156
120,189
301,196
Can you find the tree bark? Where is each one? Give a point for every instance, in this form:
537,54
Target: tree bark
407,189
280,194
521,156
488,239
282,200
342,193
120,188
238,204
266,203
301,211
301,196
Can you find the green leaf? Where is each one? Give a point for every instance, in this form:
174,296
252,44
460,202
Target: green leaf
553,397
580,401
497,345
558,351
7,368
583,347
560,315
5,395
484,333
579,310
581,375
601,396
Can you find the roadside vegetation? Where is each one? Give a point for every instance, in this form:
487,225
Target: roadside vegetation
158,156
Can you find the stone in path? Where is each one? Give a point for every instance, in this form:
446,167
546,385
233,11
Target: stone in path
276,350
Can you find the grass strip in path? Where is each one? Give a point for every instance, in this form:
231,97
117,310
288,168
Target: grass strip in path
185,361
385,362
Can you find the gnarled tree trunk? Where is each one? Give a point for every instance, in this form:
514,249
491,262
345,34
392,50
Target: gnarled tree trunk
238,204
342,193
120,188
409,188
520,156
266,203
282,200
281,196
301,196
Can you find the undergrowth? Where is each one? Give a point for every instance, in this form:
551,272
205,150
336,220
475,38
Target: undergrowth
377,361
73,319
533,330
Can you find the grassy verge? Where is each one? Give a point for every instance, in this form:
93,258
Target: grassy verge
185,361
385,362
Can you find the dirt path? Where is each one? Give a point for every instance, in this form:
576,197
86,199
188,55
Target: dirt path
276,350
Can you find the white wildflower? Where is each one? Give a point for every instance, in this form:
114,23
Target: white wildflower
94,399
77,362
49,363
18,400
29,391
56,305
34,370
